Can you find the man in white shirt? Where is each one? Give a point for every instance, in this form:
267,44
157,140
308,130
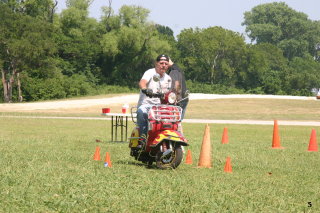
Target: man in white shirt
153,80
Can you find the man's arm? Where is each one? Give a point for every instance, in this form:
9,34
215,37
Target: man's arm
144,89
177,87
143,84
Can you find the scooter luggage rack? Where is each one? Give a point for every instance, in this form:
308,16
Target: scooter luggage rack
162,113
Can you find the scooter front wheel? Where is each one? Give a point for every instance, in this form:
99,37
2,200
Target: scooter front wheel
169,160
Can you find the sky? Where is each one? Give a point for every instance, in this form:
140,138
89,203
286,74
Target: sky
183,14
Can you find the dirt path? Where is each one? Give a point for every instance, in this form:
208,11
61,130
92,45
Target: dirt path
66,105
206,121
122,99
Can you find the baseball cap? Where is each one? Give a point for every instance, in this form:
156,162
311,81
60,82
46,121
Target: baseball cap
163,57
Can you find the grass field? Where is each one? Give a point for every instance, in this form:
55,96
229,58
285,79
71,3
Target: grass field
47,164
255,109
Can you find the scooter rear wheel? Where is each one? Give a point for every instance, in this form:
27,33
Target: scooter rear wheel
172,161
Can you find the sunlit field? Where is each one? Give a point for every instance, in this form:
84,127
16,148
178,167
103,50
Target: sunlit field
47,166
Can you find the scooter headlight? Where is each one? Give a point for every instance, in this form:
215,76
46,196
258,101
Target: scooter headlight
172,98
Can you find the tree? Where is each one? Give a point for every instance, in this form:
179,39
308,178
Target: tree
303,76
79,40
278,24
265,67
129,45
211,55
165,31
25,43
42,9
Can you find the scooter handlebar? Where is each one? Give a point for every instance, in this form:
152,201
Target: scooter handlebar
151,94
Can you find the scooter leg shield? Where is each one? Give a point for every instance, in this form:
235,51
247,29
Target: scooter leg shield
133,140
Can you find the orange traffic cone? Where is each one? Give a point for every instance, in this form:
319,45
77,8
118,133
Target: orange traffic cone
313,146
205,153
107,161
276,138
225,138
228,167
189,157
110,164
97,154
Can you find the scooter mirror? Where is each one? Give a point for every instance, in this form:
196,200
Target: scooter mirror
156,77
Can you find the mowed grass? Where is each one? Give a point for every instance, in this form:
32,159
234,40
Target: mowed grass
254,109
47,166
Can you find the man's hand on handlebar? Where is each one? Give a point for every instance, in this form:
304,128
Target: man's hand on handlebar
148,92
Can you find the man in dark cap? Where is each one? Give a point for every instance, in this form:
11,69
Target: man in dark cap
152,81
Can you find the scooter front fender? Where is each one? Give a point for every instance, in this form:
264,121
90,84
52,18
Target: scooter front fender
170,135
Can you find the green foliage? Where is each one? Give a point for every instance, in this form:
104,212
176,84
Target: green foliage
133,16
79,41
196,87
25,40
79,4
166,33
56,88
271,82
70,54
273,22
109,44
26,44
129,49
304,75
257,90
43,89
278,24
266,68
65,87
164,30
211,55
115,89
40,9
77,85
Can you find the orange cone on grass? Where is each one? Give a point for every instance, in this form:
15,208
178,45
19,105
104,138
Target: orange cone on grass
276,137
225,138
313,146
205,153
227,166
189,157
97,154
107,161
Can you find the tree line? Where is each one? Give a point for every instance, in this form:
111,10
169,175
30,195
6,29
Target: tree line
50,55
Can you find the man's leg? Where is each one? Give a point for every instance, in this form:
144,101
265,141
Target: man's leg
183,105
142,121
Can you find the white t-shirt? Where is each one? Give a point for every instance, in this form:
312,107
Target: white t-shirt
164,86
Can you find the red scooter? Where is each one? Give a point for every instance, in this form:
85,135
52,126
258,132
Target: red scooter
164,141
